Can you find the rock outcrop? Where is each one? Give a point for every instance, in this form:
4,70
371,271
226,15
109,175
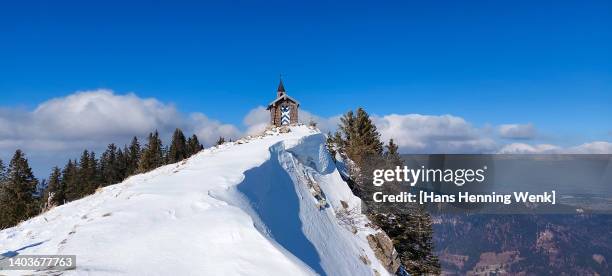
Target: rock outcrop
384,251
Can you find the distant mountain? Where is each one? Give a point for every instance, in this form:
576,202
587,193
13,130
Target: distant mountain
524,244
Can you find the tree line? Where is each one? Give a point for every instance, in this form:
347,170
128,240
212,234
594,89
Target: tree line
23,196
358,140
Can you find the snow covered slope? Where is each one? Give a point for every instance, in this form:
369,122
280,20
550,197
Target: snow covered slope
261,206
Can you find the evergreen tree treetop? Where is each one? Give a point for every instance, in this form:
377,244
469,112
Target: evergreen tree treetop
16,194
178,147
152,156
193,145
133,154
70,181
392,154
110,167
2,172
19,171
55,187
134,149
360,136
220,141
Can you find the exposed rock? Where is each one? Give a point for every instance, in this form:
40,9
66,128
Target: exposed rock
344,204
492,263
599,258
546,242
365,259
384,251
284,129
456,260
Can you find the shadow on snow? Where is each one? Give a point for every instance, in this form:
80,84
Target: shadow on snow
273,197
13,253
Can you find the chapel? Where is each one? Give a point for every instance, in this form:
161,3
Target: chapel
284,109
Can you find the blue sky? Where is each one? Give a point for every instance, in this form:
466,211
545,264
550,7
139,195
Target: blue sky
547,63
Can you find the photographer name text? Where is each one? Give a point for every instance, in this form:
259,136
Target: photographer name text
423,197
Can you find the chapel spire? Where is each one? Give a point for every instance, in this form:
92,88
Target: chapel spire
281,88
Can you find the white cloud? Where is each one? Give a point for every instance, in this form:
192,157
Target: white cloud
517,131
328,124
257,120
415,133
597,147
521,148
60,128
208,130
63,126
100,115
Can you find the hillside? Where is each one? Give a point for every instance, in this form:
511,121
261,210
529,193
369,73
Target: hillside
265,205
560,244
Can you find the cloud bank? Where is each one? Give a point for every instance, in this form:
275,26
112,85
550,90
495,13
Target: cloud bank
417,133
517,131
60,128
597,147
100,115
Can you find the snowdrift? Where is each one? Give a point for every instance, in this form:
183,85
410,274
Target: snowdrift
266,205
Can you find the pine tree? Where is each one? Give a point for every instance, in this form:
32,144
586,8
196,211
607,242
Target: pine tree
96,176
330,145
110,166
83,174
122,163
220,141
193,145
165,155
366,133
16,194
152,156
88,177
334,143
411,233
347,127
2,182
133,157
178,148
2,172
55,193
392,154
70,181
361,138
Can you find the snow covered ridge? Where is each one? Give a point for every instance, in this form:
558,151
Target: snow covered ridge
268,205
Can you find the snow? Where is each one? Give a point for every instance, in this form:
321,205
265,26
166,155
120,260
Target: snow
243,208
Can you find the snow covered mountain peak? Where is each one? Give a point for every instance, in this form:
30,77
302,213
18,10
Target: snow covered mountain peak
263,205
